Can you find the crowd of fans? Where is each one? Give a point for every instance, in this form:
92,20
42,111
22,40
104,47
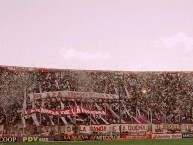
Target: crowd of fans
160,97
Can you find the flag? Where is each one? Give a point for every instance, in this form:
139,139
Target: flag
34,117
142,119
128,95
63,118
24,108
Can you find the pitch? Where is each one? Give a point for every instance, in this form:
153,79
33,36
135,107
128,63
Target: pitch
125,142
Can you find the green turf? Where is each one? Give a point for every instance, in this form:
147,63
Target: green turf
125,142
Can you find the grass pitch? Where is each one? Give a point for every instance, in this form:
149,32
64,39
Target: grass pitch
124,142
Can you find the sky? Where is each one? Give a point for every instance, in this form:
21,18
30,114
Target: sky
128,35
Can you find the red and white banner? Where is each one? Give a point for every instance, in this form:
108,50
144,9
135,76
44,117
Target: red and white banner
75,110
73,95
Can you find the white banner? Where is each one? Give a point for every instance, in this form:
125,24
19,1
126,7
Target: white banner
129,127
100,128
163,128
114,128
134,127
85,129
73,95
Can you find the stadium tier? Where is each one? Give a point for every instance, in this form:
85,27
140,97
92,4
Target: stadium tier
110,104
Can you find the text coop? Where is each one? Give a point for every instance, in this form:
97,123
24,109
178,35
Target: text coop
8,139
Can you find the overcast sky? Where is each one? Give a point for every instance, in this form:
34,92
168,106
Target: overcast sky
132,35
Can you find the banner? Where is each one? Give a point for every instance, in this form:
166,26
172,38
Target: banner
165,128
131,129
94,129
74,95
115,128
100,128
85,129
134,127
75,110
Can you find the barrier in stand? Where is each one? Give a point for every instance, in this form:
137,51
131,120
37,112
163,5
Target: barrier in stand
166,136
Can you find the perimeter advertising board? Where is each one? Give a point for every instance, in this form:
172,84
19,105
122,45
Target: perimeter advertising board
8,139
166,136
37,139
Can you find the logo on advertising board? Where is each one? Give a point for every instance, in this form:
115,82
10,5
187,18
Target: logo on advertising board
36,139
62,138
187,135
137,133
72,138
136,137
8,139
107,137
81,137
166,136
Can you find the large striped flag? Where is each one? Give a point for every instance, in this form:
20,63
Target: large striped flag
24,108
63,118
34,117
128,95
